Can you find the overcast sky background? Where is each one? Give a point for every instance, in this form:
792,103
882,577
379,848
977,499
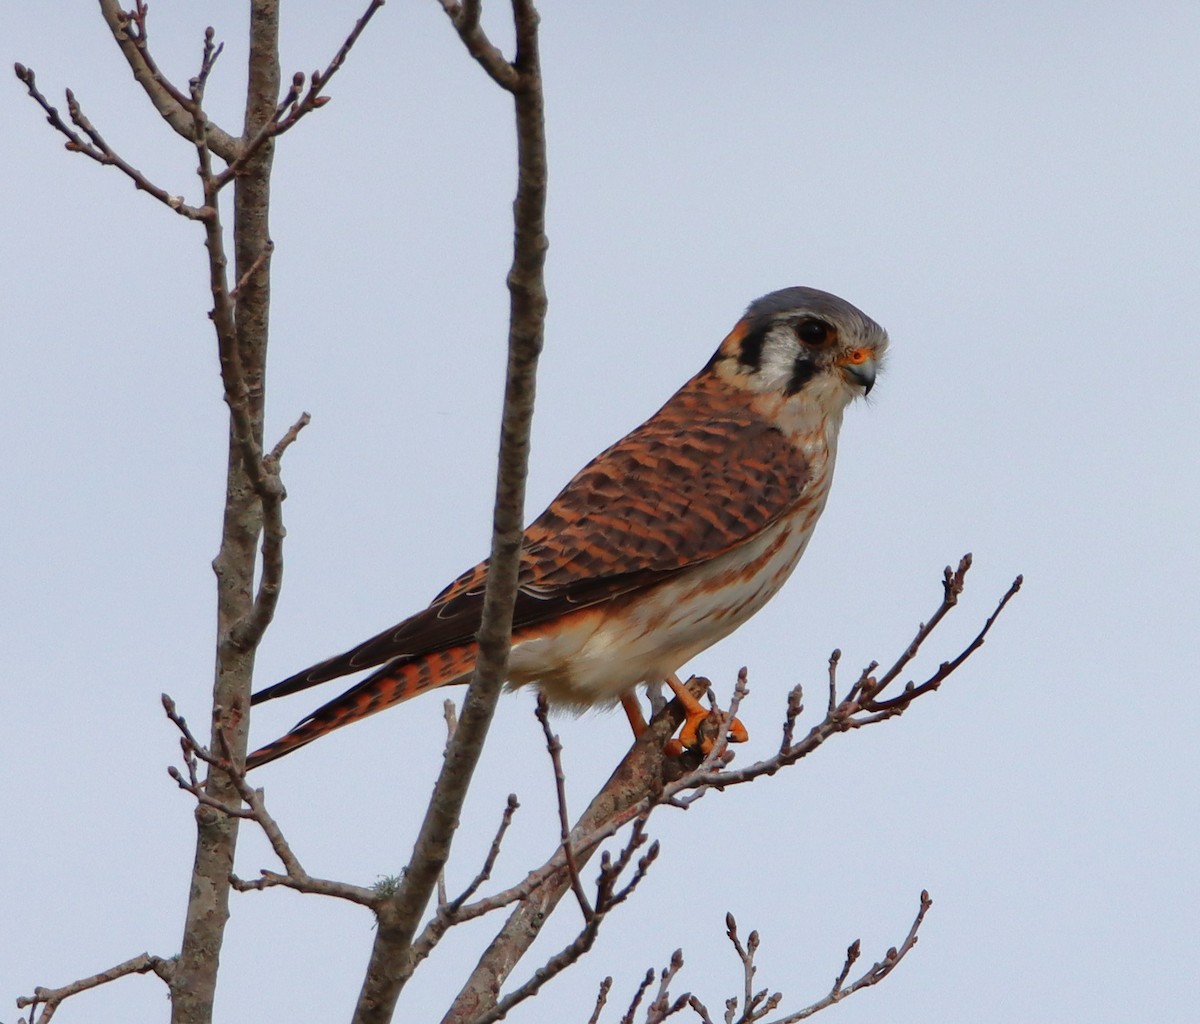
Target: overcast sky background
1011,190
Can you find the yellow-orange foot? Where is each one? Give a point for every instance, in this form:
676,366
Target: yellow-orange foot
701,724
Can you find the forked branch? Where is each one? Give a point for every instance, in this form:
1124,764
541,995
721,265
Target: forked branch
254,809
296,103
93,145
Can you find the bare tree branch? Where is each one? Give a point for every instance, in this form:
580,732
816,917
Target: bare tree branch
872,976
465,18
390,963
861,707
489,862
554,747
663,1006
254,489
255,810
601,999
753,1005
168,100
622,799
290,109
911,692
242,343
95,147
644,781
49,999
607,897
450,912
269,485
647,981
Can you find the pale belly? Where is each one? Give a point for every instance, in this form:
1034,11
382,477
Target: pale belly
595,657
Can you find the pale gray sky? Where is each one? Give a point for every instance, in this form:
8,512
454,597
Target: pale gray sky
1010,189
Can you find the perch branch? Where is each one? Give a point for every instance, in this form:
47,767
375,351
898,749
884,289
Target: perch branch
643,782
861,707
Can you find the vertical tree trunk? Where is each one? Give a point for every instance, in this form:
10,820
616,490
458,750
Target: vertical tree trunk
193,987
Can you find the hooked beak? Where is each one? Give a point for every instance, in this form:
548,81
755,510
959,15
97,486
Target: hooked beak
859,366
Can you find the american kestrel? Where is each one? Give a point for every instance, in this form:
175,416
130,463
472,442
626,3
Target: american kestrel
660,546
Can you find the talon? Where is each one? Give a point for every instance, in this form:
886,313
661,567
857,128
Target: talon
700,726
689,735
702,733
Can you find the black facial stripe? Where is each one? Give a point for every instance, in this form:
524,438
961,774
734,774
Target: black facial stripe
750,353
803,370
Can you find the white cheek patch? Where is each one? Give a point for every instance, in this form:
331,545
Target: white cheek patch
778,361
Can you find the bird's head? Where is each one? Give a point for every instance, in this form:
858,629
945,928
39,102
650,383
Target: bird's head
802,347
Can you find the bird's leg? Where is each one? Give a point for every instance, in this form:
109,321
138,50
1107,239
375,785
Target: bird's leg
633,711
697,714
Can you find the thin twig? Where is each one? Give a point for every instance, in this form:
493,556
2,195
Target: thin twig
255,267
601,999
554,747
607,897
136,30
285,442
96,148
208,56
872,976
647,981
171,102
255,810
948,667
452,912
262,472
450,714
269,485
745,955
834,658
291,108
661,1007
493,853
859,709
953,581
795,708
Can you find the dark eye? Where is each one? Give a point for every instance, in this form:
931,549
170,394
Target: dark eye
814,332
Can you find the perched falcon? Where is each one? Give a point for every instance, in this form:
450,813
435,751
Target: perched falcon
661,545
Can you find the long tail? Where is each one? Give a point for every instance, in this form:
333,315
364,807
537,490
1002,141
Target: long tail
397,681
